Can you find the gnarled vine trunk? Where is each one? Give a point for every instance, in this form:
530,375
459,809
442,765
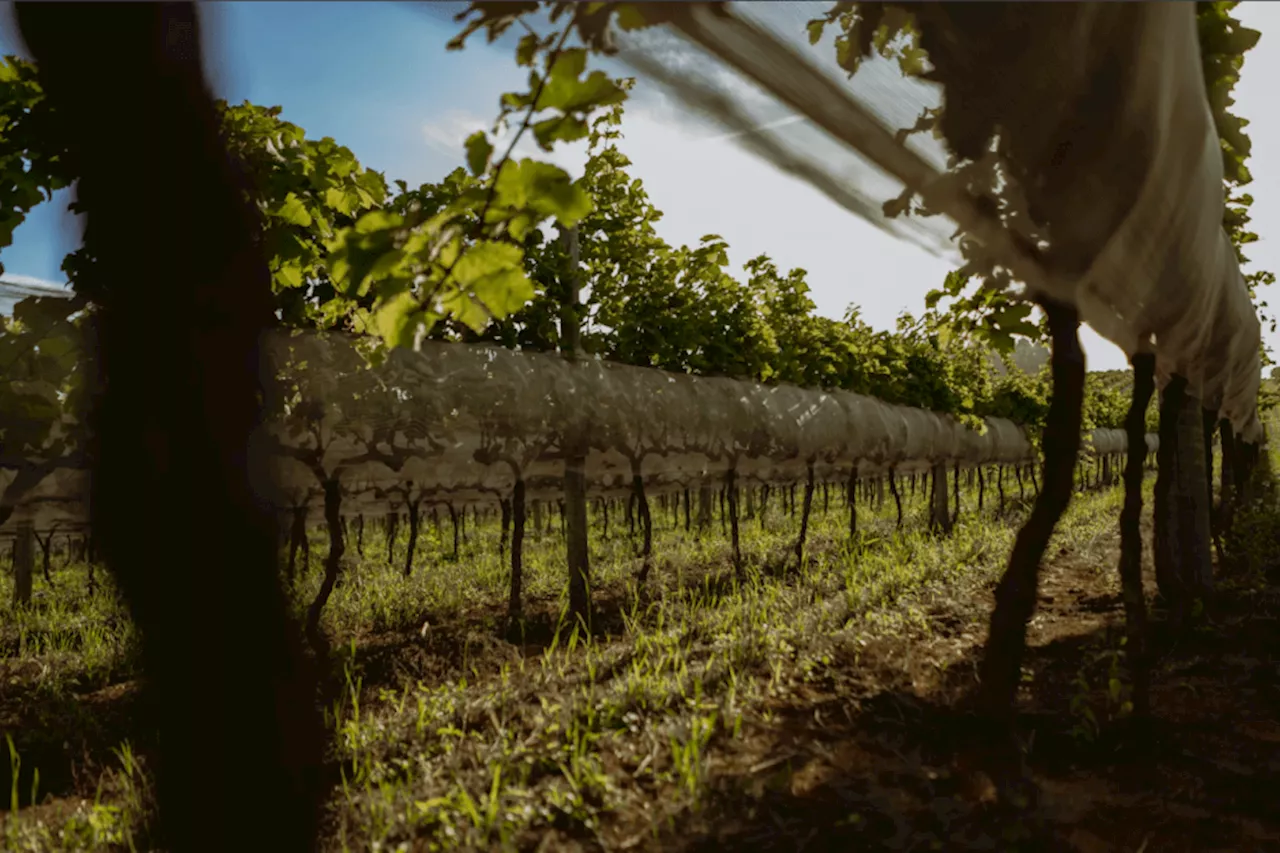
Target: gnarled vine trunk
1135,604
332,567
392,522
897,499
1001,667
804,516
414,520
939,511
646,522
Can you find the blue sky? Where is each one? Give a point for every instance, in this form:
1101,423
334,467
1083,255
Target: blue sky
376,77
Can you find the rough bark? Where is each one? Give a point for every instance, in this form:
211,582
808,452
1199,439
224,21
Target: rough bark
1192,497
1001,665
414,520
1135,605
897,499
804,517
1164,518
332,568
45,544
940,512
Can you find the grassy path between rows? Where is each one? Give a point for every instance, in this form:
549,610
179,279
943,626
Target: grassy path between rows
805,709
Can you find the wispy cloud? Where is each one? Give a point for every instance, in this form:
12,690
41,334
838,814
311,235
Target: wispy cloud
448,134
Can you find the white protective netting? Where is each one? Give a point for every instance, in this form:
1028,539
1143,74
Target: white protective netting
459,423
1116,154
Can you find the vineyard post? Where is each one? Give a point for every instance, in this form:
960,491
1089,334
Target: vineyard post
1164,517
514,601
1135,607
575,480
24,559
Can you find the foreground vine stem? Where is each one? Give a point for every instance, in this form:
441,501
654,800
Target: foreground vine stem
1001,666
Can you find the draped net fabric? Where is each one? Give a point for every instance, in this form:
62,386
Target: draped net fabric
1116,154
460,423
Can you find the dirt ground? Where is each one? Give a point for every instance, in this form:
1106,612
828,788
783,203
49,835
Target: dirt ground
875,758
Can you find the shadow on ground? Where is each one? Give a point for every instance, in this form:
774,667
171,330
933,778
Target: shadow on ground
895,769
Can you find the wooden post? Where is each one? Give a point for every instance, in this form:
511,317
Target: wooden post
24,561
575,480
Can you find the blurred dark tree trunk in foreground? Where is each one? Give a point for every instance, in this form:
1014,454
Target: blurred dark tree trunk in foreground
183,294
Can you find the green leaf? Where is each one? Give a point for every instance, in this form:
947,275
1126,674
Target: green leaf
340,200
290,275
479,150
378,220
816,28
493,274
559,129
526,50
396,320
544,188
565,92
293,211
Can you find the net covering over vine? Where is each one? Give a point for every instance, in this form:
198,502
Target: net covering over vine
462,422
1072,146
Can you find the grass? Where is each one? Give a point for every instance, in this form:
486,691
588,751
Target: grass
450,737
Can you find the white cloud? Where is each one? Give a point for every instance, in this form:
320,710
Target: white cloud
449,133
